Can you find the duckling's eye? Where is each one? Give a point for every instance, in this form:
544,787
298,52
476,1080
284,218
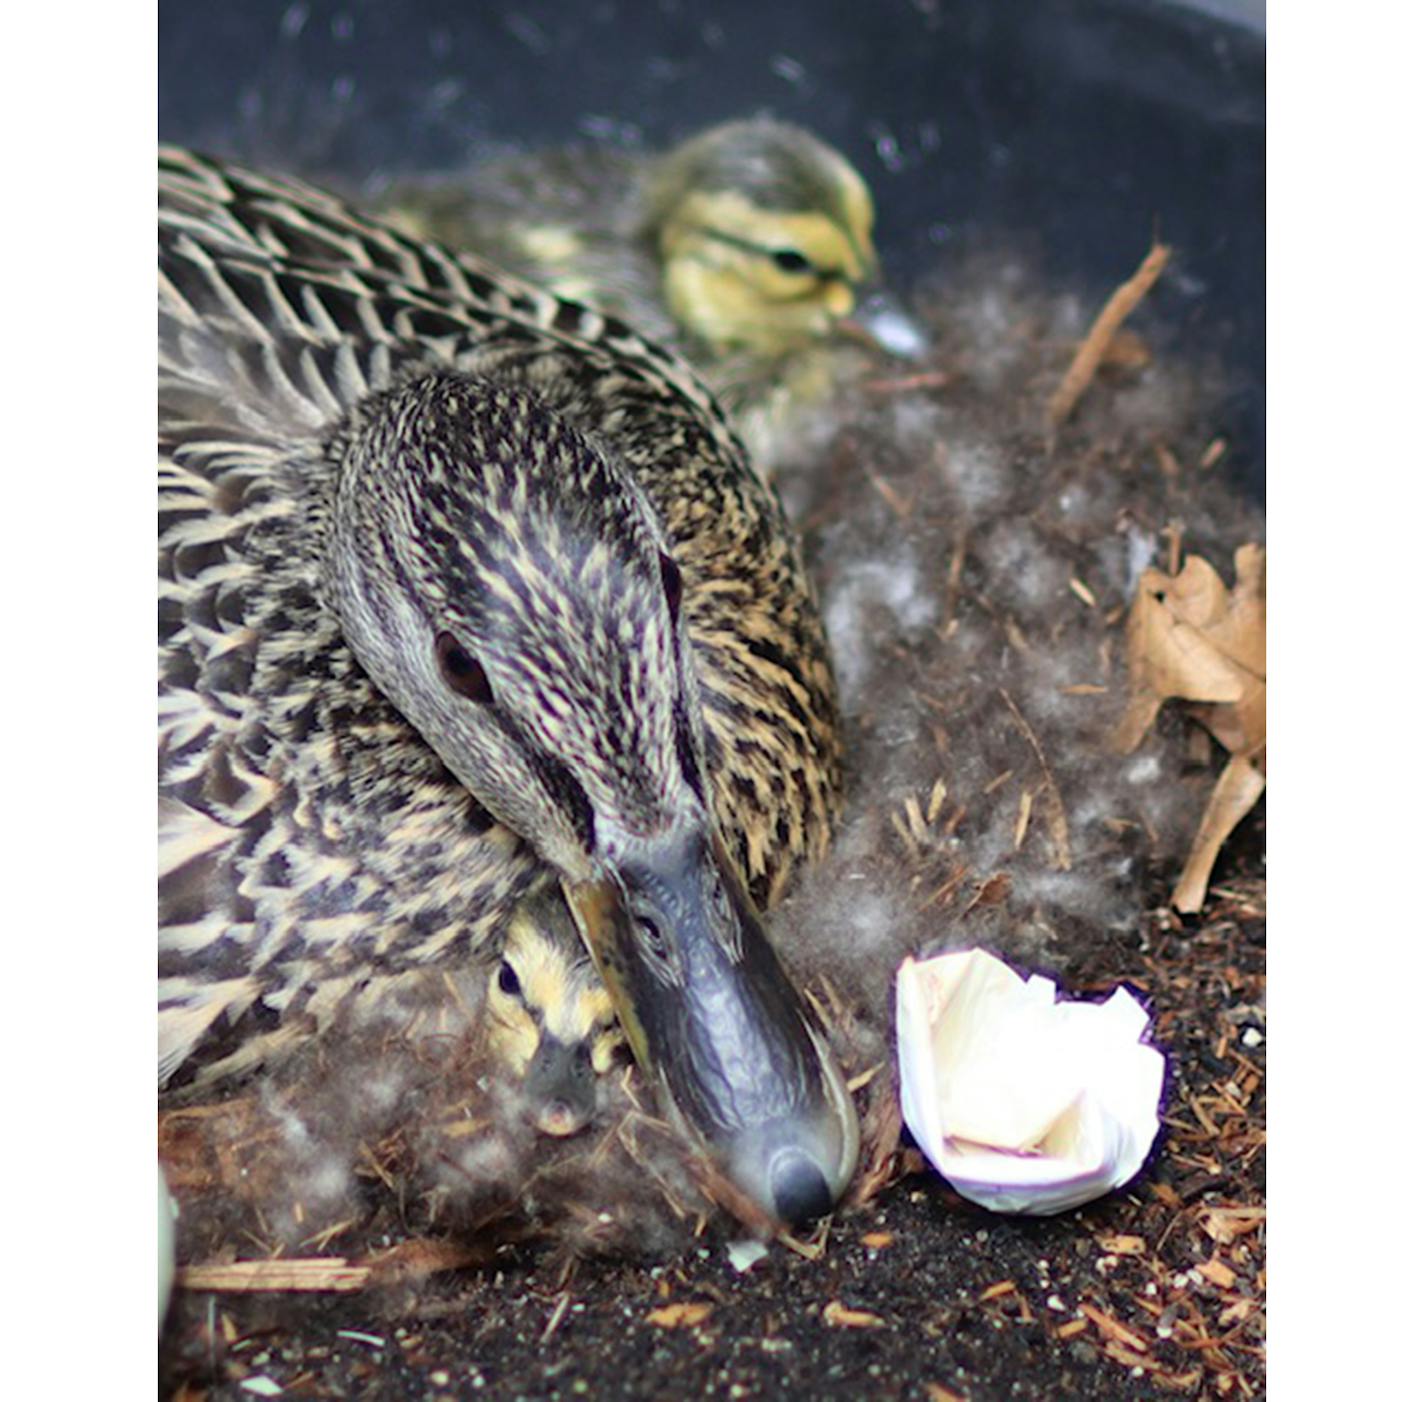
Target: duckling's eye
672,583
508,979
790,261
462,673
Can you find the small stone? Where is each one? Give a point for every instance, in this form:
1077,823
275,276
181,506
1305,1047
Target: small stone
1251,1037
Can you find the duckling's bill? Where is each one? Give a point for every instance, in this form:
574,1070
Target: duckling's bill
549,1020
715,1023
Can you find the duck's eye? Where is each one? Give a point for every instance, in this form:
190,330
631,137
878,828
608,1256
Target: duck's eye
653,935
790,261
462,673
672,583
508,979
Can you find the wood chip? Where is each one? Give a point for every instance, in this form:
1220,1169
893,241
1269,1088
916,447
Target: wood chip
1083,592
1060,852
938,794
865,1077
1002,1287
679,1316
1128,1358
994,891
845,1318
877,1241
1072,1329
314,1273
1234,1314
1225,1224
1180,1382
1219,1273
1109,1328
1123,1245
1095,344
1025,813
937,1392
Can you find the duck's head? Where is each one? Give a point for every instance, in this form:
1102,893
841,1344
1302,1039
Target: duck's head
506,584
764,234
549,1021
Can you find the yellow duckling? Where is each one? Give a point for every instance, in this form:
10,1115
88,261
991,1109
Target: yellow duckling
745,246
549,1023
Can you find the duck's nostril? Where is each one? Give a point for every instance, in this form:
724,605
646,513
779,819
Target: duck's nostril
798,1187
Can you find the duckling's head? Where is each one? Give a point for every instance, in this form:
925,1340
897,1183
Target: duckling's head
764,234
549,1020
502,578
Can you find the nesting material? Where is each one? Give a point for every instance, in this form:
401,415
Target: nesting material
1024,1103
167,1211
1188,637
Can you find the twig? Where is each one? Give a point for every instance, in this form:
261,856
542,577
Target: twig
1057,814
1090,353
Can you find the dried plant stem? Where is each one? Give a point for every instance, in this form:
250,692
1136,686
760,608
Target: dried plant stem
1094,346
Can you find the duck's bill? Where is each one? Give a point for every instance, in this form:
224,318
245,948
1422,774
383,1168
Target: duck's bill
714,1022
559,1086
881,320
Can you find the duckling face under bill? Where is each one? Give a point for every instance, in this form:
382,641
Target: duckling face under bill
549,1021
765,235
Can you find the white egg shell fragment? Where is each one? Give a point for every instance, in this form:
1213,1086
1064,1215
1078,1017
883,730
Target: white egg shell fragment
1023,1103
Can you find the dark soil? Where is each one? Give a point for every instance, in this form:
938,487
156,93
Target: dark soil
1156,1290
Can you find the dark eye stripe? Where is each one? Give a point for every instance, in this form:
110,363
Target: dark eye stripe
777,255
672,583
567,792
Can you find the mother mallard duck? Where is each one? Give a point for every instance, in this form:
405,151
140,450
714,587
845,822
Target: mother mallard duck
468,595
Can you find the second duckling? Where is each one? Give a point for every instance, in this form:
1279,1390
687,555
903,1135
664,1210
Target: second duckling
745,246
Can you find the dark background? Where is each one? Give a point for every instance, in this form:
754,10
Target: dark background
1083,125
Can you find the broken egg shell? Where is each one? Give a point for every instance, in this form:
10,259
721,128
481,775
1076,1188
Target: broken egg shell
1024,1103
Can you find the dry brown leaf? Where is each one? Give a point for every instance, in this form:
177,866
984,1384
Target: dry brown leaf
844,1318
1190,638
1184,639
1234,796
679,1316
